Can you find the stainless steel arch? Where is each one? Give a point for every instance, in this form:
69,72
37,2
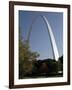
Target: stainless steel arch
50,33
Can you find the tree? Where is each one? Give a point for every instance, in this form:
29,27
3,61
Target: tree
52,67
26,58
60,62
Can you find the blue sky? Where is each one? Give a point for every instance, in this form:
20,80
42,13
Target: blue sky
39,39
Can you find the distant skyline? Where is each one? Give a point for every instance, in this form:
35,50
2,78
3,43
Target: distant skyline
39,39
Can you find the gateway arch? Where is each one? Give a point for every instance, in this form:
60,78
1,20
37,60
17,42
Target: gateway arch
50,33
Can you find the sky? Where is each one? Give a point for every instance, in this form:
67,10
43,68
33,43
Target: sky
39,38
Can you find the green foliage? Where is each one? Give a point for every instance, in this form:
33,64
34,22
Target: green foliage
60,64
26,58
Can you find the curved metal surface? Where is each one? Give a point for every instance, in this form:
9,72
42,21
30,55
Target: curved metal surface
50,33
